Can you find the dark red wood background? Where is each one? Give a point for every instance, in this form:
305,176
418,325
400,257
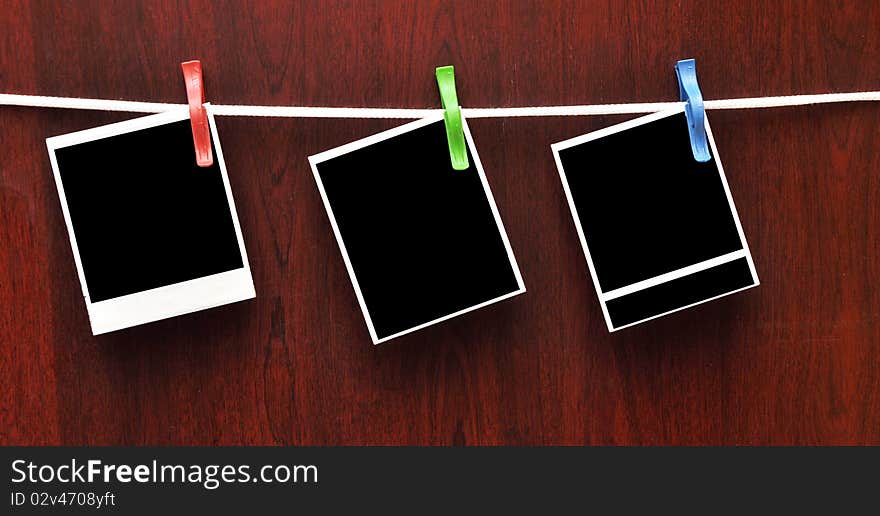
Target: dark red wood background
795,361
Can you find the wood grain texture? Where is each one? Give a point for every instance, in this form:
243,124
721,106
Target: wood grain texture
795,361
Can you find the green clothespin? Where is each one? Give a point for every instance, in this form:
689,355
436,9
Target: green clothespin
452,118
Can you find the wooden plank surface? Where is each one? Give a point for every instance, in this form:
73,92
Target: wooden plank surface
795,361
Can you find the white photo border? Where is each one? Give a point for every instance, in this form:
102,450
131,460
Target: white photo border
314,160
168,300
604,297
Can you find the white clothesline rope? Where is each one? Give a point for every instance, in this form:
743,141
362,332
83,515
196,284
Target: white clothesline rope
351,112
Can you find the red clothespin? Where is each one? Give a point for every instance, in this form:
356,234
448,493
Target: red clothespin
198,115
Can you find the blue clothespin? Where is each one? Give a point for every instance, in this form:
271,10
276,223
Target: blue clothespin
695,111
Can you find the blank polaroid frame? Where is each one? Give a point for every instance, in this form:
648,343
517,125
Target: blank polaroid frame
458,232
659,230
145,186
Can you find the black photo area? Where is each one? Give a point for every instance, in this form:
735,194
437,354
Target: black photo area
421,236
144,214
647,207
